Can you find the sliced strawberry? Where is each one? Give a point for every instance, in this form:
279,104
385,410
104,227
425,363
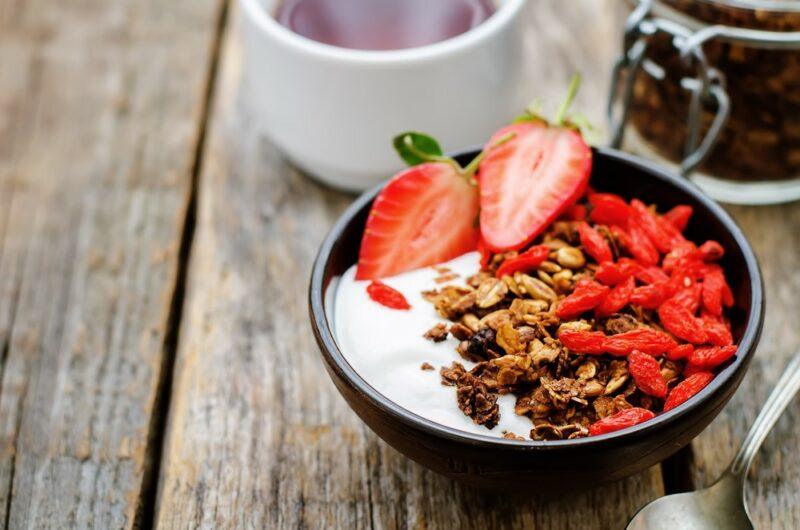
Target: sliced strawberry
425,215
528,180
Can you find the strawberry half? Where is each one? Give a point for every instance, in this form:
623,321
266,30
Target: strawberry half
529,180
425,215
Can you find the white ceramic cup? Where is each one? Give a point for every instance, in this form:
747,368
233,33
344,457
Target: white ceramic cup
334,111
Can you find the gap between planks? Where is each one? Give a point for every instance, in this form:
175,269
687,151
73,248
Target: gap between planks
676,471
6,348
156,432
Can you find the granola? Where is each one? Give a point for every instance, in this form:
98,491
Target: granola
437,333
524,341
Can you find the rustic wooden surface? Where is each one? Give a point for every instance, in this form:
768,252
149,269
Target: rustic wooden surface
101,106
105,281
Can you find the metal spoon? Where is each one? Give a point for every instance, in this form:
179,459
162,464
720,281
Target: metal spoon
721,505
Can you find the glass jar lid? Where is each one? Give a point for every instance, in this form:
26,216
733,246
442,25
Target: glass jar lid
760,23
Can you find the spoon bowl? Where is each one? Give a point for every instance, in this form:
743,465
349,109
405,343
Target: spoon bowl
718,506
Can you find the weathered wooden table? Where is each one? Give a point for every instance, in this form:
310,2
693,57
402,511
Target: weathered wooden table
157,366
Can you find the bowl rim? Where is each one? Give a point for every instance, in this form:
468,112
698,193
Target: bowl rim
336,360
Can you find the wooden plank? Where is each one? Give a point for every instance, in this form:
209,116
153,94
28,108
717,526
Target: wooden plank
101,104
774,479
257,435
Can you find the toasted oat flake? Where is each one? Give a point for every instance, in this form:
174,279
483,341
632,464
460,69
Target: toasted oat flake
508,435
444,278
437,333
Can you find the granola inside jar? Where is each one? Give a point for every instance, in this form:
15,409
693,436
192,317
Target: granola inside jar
756,155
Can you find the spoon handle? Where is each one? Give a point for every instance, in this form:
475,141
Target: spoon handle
781,396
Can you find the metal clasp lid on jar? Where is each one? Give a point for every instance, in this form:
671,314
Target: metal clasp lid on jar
651,17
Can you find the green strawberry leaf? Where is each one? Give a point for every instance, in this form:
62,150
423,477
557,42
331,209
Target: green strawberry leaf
416,147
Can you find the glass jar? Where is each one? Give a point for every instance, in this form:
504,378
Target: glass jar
714,86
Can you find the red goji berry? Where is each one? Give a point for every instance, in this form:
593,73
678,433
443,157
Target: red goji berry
386,296
616,299
530,259
691,369
591,342
687,388
680,352
651,275
621,235
679,216
684,278
727,295
679,255
709,357
693,269
576,212
712,292
689,297
715,289
646,371
675,235
687,256
610,273
649,223
639,245
646,340
620,420
718,331
652,296
594,244
644,274
711,251
585,297
679,321
608,209
718,334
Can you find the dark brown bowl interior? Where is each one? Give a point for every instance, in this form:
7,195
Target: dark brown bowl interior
566,464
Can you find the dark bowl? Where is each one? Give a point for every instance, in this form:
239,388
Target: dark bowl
552,466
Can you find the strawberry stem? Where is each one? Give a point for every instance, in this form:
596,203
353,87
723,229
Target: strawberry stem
571,91
428,157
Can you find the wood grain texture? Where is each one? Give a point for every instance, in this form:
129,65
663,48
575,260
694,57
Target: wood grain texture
773,490
258,437
100,107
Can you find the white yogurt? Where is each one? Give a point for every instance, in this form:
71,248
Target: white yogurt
386,347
